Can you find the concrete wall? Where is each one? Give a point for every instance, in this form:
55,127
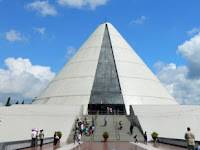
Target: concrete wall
176,142
18,120
170,121
13,145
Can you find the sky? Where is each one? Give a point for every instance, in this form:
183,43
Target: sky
38,37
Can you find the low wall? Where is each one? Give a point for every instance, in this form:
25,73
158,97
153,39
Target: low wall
13,145
175,142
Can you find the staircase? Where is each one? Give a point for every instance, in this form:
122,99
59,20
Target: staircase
115,134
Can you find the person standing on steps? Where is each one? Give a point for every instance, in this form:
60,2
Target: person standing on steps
93,128
79,138
120,125
189,136
75,137
105,121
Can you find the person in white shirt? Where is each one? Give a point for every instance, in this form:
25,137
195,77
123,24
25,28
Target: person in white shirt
33,136
93,128
82,127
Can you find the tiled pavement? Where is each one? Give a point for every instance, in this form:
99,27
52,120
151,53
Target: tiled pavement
108,146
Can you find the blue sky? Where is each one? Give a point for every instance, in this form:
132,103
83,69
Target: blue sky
37,38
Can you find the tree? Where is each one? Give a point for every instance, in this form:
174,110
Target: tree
17,102
8,102
23,102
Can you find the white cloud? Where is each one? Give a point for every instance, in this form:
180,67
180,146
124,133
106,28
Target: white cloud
183,82
82,3
14,35
70,52
184,90
190,50
42,7
193,31
22,80
139,20
39,30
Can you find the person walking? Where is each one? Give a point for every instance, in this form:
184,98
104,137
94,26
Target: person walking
41,136
105,121
131,128
189,137
135,137
145,137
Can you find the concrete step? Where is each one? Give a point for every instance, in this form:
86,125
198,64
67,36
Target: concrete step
115,134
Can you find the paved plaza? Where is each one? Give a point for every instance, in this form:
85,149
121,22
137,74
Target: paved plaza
108,146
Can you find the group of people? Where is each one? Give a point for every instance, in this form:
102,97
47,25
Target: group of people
83,127
79,128
189,137
109,110
35,136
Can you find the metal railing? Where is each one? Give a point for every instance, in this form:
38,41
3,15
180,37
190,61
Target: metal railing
115,123
95,125
103,112
22,144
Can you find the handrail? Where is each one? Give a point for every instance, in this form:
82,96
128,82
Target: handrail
117,131
103,112
114,120
22,144
95,124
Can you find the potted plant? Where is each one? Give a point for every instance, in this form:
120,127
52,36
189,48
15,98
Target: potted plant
105,136
154,136
59,134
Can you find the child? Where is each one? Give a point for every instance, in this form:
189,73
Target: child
86,130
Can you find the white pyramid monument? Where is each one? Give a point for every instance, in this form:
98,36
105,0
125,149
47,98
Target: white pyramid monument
105,70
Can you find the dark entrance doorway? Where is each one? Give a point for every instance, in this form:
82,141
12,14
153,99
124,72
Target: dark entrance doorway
102,109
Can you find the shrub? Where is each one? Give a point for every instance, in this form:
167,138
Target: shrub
154,134
106,133
59,133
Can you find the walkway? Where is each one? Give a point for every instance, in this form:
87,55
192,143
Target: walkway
108,146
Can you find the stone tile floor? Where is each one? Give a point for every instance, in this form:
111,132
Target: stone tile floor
108,146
